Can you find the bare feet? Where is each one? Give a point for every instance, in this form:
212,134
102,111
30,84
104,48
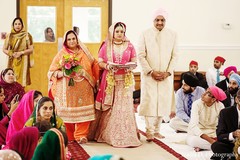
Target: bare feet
197,149
150,137
83,140
158,135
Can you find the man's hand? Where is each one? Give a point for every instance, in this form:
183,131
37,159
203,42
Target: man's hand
159,76
172,114
236,134
207,138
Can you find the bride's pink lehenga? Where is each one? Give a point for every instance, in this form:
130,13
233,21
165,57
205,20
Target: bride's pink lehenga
117,125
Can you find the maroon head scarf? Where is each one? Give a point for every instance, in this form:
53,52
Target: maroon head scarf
24,142
10,89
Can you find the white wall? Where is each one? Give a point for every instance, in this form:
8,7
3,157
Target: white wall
7,14
199,25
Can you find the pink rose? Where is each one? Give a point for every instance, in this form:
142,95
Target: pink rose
67,66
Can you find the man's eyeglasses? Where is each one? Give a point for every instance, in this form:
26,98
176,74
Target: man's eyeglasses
209,94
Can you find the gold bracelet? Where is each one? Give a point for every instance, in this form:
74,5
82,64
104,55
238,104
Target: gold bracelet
106,67
22,52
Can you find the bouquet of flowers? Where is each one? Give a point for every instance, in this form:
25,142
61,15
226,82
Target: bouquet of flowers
70,66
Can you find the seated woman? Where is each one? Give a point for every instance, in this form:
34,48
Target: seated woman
53,146
45,111
10,86
22,113
24,142
5,114
9,155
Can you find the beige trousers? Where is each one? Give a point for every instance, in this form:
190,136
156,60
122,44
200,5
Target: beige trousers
153,124
196,141
178,124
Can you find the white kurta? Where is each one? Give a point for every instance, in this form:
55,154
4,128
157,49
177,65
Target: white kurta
157,51
204,119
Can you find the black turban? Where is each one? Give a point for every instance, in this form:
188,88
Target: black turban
190,79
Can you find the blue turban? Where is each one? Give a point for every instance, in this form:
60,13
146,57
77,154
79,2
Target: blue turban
236,78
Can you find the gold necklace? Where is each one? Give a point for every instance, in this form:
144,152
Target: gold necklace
118,43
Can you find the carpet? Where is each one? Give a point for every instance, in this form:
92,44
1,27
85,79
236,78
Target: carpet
147,151
166,147
78,153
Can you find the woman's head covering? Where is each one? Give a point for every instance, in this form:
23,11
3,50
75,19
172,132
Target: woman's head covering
21,35
36,115
52,146
218,93
112,29
21,21
236,78
10,89
110,38
21,114
79,45
47,37
159,12
24,142
65,39
9,155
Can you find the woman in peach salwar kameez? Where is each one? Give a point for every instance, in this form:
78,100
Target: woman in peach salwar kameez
117,125
74,104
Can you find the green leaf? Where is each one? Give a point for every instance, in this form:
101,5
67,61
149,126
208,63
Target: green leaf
76,69
68,71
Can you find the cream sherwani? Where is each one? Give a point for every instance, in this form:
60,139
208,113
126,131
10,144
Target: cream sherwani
204,120
157,51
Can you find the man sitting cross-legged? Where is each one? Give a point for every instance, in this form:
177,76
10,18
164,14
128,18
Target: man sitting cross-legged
204,119
188,93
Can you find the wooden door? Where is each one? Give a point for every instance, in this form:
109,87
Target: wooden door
44,52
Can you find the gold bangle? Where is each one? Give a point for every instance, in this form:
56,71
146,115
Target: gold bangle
106,67
22,52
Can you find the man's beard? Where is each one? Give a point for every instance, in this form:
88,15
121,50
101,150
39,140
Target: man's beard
232,91
188,91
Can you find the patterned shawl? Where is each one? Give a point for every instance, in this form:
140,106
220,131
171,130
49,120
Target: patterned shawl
11,89
15,42
65,50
